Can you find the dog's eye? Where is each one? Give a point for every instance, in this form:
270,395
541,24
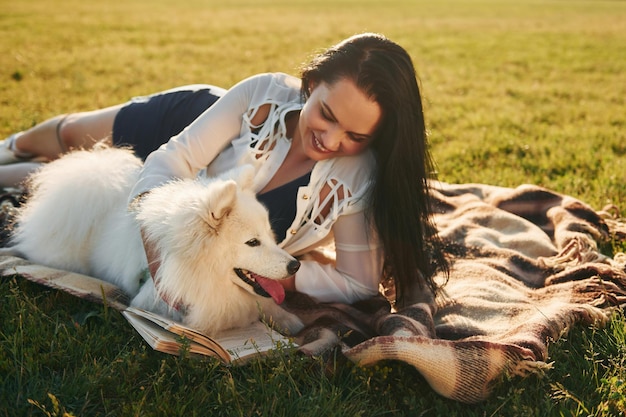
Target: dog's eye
253,242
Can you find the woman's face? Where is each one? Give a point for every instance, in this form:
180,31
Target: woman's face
337,120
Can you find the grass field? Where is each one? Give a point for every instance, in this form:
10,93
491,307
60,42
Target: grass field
523,91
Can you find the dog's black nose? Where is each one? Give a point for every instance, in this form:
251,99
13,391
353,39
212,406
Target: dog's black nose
293,266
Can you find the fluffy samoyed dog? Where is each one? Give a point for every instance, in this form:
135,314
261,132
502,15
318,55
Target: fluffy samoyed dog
219,262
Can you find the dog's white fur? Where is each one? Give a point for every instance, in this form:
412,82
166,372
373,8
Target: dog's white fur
77,219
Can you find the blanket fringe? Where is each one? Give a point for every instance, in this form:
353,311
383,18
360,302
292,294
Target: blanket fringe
617,225
525,368
464,371
617,230
579,250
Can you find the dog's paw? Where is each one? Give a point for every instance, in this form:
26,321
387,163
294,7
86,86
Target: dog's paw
288,323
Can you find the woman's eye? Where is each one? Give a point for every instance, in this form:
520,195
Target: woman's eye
358,139
325,115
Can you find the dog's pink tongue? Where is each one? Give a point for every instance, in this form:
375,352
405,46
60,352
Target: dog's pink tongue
272,287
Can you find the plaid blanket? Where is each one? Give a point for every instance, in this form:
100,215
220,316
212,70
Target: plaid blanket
525,267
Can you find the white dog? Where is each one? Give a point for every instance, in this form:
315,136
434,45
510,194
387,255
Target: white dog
218,258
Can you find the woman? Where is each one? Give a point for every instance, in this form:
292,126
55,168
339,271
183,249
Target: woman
341,155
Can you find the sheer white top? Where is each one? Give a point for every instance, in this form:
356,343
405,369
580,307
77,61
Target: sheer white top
223,137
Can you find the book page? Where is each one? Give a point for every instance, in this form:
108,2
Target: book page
180,329
234,345
246,342
169,342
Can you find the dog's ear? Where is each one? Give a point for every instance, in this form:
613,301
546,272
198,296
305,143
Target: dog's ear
222,200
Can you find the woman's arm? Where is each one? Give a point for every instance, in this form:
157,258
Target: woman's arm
185,154
357,272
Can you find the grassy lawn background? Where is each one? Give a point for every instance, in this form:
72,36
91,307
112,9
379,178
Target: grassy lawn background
515,92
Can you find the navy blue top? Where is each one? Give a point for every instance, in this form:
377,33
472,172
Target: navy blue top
281,204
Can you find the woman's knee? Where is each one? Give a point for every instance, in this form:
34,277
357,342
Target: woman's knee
84,130
70,132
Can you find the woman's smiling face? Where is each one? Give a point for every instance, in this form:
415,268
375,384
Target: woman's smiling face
337,120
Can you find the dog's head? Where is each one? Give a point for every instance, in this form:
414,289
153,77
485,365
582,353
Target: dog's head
218,229
258,261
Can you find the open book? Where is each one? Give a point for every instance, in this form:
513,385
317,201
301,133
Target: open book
162,334
232,346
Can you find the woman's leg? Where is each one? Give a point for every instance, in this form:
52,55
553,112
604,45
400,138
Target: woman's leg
13,175
51,138
55,136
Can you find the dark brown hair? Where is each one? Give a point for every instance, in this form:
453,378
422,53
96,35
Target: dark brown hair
399,201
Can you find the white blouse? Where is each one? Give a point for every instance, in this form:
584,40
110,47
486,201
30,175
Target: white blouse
223,137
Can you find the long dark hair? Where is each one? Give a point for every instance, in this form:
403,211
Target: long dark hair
399,201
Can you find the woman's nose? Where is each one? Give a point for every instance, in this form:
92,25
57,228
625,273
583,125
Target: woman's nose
331,139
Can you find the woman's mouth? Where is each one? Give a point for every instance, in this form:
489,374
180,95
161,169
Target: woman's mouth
318,145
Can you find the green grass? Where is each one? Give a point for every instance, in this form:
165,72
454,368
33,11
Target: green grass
516,92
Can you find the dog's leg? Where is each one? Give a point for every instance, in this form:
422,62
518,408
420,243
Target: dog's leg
282,320
148,299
